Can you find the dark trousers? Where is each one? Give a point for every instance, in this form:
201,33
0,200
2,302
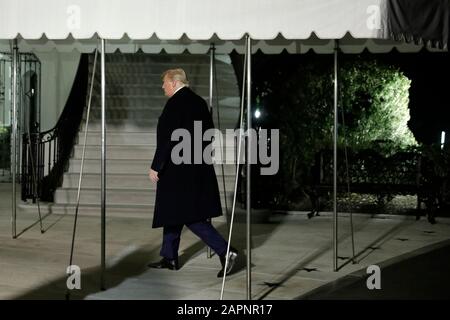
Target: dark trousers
204,230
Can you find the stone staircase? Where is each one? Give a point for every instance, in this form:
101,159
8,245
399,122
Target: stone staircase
134,101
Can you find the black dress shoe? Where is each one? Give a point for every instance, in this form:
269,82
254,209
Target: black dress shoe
232,256
165,264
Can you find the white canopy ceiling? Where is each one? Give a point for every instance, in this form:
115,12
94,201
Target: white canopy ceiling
178,25
197,19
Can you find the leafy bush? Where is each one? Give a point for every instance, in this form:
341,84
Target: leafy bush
296,95
374,99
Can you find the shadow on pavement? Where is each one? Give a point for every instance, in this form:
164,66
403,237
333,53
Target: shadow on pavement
420,275
135,264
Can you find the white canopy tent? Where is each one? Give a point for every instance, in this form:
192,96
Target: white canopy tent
197,19
179,25
151,26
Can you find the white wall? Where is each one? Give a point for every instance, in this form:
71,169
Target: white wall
58,72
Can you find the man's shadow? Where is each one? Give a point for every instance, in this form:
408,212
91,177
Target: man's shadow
135,263
130,266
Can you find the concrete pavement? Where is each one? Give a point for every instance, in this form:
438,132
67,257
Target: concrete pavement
291,255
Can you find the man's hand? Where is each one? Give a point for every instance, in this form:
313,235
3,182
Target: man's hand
153,175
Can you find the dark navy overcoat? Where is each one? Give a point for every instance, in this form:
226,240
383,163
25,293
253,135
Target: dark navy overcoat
186,192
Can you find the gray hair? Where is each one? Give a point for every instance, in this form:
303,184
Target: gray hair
176,75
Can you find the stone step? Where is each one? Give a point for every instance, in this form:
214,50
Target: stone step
136,181
141,125
111,211
114,196
130,166
143,152
121,125
226,115
119,113
128,210
147,138
119,103
139,139
156,90
153,102
126,151
125,115
146,78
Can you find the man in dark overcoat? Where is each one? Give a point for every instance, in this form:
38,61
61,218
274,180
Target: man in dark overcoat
187,193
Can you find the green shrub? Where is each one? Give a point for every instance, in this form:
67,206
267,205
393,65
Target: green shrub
296,94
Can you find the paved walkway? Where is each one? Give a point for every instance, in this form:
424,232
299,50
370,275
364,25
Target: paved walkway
420,275
291,256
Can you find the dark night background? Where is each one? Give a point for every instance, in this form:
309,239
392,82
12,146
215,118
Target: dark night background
428,71
429,104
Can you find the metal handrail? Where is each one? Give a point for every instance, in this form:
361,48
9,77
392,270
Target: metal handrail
52,148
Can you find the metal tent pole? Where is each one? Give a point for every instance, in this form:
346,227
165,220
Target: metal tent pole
211,83
236,179
249,157
103,169
211,76
222,143
335,133
80,178
15,65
